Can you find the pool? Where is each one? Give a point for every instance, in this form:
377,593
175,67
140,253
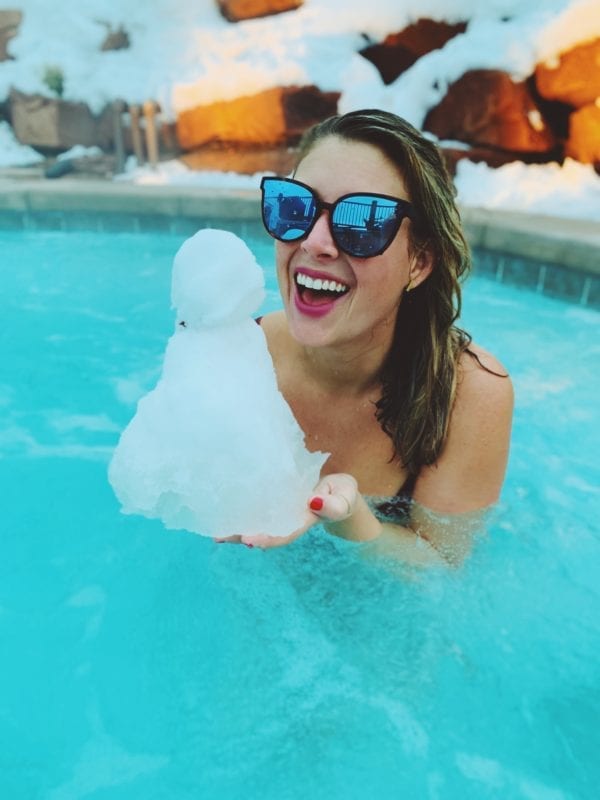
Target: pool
144,663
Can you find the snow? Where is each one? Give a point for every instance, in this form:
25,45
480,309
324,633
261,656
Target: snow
12,153
183,54
571,190
217,396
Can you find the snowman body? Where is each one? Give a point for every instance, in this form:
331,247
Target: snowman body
214,448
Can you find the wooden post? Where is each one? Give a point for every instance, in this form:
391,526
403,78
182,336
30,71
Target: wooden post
136,134
118,107
150,109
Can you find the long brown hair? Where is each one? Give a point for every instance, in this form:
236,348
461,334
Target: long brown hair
419,374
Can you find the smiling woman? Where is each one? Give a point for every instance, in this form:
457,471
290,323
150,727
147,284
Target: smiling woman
369,254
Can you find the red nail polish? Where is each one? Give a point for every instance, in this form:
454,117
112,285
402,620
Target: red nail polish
248,545
316,504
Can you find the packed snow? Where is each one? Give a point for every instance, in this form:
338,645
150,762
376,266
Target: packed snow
189,455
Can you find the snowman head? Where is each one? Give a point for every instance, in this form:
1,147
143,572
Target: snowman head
215,280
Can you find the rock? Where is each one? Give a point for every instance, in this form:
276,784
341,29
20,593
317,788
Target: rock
242,160
116,40
9,27
399,51
274,116
486,108
57,125
583,143
236,10
574,77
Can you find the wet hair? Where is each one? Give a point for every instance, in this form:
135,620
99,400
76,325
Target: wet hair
419,375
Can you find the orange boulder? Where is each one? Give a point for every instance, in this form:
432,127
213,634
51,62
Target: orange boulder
274,116
486,108
574,77
236,10
583,143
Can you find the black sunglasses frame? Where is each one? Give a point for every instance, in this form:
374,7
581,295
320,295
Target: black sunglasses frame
403,209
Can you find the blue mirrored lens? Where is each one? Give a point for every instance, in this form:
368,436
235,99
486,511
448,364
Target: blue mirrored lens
288,210
364,225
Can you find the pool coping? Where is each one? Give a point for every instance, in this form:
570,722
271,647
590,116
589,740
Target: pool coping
554,255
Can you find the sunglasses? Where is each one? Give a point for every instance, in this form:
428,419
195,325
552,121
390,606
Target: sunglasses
362,225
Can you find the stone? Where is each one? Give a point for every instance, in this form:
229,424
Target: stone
583,143
116,40
399,51
242,160
56,125
486,108
272,117
237,10
10,21
573,77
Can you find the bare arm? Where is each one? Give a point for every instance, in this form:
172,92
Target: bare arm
452,495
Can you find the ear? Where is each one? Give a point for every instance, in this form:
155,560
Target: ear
421,266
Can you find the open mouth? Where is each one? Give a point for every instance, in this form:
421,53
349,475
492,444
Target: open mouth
318,291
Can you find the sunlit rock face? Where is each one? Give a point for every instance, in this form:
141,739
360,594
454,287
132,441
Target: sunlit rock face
57,124
236,10
487,108
583,143
399,51
574,77
275,116
9,27
230,157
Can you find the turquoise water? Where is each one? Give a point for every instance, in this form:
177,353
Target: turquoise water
141,663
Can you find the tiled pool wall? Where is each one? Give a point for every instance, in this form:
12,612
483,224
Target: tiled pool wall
578,286
555,280
104,222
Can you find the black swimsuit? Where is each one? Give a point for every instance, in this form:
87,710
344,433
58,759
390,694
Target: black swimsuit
395,508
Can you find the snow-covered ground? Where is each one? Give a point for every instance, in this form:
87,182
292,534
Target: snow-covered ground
185,53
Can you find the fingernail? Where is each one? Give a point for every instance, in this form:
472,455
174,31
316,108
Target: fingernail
316,504
248,545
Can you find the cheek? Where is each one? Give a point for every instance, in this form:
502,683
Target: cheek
283,253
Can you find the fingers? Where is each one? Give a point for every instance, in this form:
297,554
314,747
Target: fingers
334,497
228,540
268,542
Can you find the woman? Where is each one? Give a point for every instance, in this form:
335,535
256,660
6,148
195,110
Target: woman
415,416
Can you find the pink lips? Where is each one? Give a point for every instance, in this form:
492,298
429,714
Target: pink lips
318,309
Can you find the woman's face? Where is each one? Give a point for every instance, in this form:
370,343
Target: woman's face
372,287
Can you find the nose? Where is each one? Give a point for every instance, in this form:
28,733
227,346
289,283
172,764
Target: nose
319,242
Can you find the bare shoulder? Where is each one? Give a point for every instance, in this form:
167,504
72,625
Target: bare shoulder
476,357
470,471
277,334
484,395
483,379
274,324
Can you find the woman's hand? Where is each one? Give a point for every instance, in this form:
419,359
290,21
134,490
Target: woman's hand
266,542
335,499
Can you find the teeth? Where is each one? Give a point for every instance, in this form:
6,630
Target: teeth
319,284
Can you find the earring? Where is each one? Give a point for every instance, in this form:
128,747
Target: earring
408,286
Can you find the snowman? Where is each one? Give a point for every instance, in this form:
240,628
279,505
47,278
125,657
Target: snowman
214,448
